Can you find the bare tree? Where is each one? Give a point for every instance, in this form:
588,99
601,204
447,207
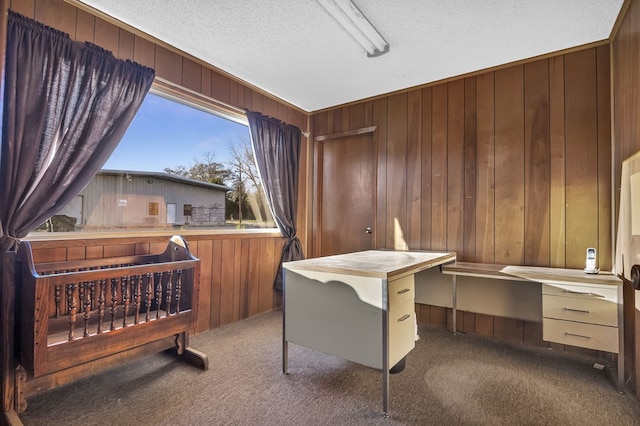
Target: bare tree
205,169
248,179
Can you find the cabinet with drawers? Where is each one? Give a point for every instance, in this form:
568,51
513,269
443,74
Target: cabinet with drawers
580,309
580,315
401,318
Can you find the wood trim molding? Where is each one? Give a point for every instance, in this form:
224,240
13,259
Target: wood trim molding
467,75
619,19
198,100
354,132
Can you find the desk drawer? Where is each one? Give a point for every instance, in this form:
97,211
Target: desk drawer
581,291
402,331
572,333
401,291
586,310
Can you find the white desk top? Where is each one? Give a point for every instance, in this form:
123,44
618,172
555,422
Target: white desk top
562,276
387,264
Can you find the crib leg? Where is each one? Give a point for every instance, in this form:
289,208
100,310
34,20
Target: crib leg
189,354
196,358
20,380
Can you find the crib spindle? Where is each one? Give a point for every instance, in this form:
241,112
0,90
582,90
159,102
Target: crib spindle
159,293
125,299
178,289
168,297
114,302
92,292
57,297
101,303
136,298
81,297
72,307
86,303
149,295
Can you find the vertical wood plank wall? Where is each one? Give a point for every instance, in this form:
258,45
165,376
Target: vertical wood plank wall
626,134
237,270
510,166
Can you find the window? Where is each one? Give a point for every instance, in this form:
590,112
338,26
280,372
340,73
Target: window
180,165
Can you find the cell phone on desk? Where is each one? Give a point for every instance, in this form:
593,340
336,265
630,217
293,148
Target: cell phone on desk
590,266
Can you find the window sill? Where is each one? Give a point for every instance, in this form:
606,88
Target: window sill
149,236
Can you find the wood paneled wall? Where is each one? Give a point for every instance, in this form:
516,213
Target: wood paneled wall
511,166
236,272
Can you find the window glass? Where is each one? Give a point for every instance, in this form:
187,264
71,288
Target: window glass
177,167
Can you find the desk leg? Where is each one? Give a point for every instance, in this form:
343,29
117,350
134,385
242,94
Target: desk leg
285,344
285,357
385,362
455,304
385,392
620,341
621,372
285,348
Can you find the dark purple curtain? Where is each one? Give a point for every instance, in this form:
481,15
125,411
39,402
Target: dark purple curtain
66,107
276,147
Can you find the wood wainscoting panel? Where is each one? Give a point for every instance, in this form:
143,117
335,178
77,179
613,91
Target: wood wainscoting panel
414,170
485,169
439,167
605,237
380,118
581,130
557,164
427,167
536,167
455,167
470,130
396,185
509,166
107,35
202,250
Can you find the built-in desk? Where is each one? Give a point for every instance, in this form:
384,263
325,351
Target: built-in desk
578,309
357,306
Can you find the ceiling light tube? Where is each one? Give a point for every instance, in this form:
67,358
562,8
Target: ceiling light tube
357,25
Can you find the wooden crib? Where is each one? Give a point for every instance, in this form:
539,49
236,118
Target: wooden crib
76,318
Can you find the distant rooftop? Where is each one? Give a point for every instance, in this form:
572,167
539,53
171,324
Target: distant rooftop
165,176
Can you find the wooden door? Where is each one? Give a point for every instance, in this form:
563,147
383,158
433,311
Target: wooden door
345,195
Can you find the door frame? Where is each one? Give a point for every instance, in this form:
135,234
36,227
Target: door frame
317,181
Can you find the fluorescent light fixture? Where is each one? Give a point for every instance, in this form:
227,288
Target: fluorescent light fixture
356,24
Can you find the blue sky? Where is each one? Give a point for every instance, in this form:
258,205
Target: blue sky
166,133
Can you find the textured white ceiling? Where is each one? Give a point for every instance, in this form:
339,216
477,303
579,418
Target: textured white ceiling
296,51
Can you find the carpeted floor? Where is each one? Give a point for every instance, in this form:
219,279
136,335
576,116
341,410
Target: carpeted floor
448,380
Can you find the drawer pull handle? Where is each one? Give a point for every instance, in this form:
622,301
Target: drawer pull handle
577,335
404,317
403,291
584,311
588,293
583,293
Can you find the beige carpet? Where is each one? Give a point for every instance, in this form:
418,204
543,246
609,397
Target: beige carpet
448,380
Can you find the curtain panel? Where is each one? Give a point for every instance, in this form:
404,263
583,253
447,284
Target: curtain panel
66,107
276,147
